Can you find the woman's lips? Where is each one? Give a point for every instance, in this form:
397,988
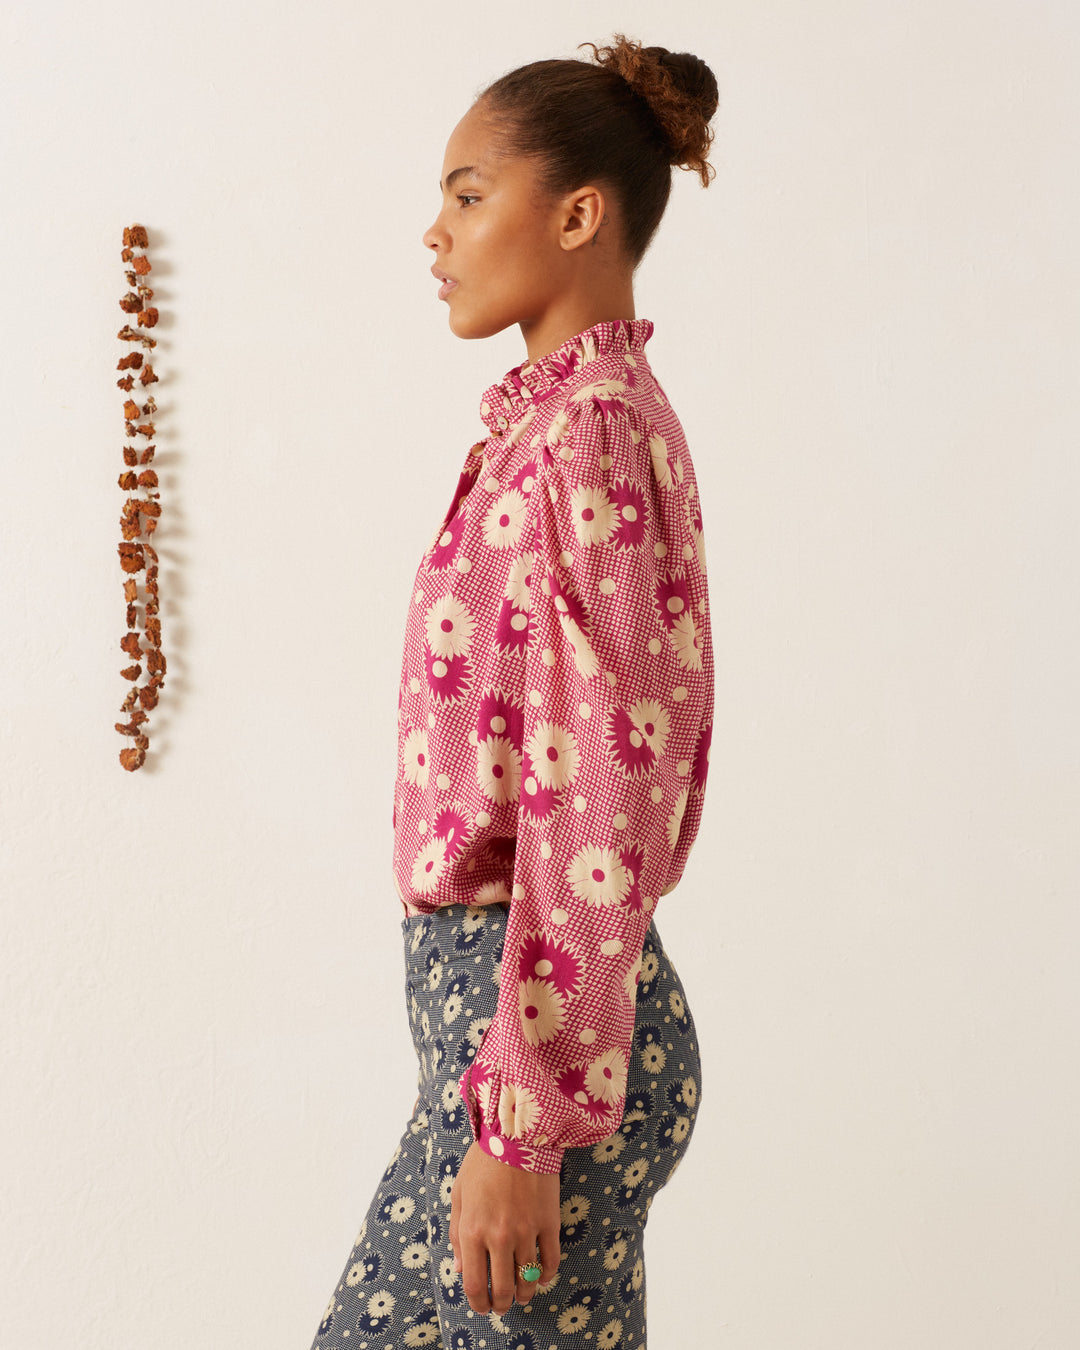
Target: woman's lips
446,288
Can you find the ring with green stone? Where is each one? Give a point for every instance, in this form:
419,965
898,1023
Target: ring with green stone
531,1272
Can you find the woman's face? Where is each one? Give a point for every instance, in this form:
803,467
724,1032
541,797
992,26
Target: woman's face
494,238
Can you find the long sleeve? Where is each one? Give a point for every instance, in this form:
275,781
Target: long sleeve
617,710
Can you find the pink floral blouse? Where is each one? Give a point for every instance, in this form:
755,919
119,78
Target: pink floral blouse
554,718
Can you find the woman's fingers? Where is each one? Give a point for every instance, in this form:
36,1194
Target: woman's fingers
503,1278
550,1255
474,1274
526,1288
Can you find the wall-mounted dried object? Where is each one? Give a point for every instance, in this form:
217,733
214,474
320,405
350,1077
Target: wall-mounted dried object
141,513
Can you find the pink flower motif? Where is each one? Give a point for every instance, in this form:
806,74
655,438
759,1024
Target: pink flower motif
633,513
626,745
506,1150
525,478
452,826
567,601
538,803
511,628
572,1084
448,677
499,716
672,598
700,770
546,958
445,546
633,860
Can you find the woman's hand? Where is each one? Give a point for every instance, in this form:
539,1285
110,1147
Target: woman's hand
501,1214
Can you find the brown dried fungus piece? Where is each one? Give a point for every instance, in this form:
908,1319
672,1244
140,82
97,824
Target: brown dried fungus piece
132,361
130,334
153,631
141,263
132,614
148,478
147,454
147,318
133,758
131,589
131,672
131,455
128,481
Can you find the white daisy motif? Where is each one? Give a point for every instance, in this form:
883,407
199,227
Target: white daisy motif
653,1058
634,1173
401,1212
429,865
610,1335
574,1318
630,981
415,1256
557,429
651,725
595,516
475,1033
449,627
541,1009
687,640
498,769
492,892
597,876
381,1304
451,1095
518,1110
681,1129
637,1274
504,519
674,824
650,965
553,752
452,1008
584,657
574,1209
606,1076
689,1092
615,1254
423,1333
414,757
517,586
607,1150
605,389
676,1004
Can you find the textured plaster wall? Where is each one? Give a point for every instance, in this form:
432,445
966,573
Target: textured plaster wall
869,326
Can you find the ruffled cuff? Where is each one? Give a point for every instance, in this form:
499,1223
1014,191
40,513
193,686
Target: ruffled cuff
529,1157
475,1088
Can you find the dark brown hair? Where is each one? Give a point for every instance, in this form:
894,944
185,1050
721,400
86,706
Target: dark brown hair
623,121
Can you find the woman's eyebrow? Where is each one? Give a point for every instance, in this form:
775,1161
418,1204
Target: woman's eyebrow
455,174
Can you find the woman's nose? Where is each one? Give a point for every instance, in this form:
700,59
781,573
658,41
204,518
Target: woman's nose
433,236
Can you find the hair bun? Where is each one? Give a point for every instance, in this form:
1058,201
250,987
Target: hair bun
679,88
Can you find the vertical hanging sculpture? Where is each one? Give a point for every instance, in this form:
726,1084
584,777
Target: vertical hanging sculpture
140,514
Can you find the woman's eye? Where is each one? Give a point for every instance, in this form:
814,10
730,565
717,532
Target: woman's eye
464,197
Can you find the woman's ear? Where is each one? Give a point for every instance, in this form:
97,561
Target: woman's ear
584,212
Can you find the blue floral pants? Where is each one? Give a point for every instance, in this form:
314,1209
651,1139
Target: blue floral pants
399,1288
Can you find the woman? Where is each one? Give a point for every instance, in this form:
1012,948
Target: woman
554,719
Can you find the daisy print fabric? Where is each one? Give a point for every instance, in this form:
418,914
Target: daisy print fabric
554,717
399,1289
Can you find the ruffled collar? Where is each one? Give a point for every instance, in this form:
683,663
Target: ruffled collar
508,398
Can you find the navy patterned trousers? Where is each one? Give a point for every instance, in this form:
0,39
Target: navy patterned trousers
399,1289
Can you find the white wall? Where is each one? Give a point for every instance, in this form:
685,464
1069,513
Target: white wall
869,327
